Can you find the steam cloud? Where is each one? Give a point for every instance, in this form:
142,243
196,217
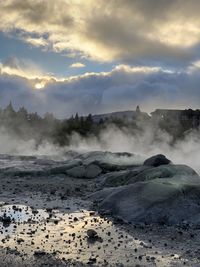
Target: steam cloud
112,139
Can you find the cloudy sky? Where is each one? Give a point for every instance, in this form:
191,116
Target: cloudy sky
87,56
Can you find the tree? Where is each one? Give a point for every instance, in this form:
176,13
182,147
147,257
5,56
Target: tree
76,117
22,113
9,110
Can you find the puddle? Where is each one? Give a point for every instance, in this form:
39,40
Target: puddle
22,213
64,234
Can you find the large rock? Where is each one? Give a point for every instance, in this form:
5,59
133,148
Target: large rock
163,171
143,173
156,161
170,200
108,161
122,177
62,168
90,171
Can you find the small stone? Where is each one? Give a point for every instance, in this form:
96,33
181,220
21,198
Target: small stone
91,233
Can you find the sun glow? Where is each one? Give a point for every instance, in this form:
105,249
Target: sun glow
39,86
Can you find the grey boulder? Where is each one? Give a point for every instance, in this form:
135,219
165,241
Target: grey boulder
156,161
90,171
169,199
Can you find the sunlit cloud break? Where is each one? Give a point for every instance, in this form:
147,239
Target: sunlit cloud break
144,28
88,56
122,88
77,65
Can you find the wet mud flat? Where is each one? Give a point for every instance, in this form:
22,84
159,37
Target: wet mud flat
51,221
60,234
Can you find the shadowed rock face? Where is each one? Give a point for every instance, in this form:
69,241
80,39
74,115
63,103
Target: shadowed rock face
155,201
145,173
165,194
156,161
90,171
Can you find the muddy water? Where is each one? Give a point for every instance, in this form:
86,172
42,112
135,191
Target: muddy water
44,224
64,234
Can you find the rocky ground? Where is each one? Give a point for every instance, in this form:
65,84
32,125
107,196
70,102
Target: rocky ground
98,209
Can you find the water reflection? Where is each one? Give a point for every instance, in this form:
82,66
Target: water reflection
64,234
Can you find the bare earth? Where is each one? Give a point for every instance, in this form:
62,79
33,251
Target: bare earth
50,216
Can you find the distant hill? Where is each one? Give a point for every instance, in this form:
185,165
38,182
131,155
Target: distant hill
123,115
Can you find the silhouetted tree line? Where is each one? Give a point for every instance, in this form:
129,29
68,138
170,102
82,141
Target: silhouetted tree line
29,126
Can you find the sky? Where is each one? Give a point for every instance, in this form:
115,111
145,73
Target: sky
87,56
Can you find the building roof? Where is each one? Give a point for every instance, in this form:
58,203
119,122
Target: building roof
166,111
